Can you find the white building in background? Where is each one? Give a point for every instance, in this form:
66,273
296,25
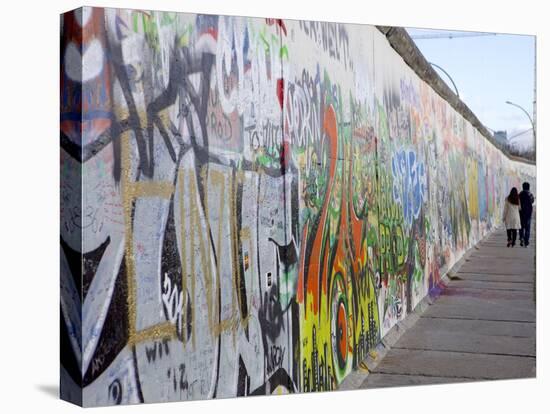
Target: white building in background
501,136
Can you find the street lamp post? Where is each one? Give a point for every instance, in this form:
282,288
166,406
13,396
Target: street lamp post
530,120
449,76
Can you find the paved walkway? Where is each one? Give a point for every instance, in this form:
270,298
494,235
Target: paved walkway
481,327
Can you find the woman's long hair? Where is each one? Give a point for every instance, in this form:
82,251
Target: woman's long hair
514,197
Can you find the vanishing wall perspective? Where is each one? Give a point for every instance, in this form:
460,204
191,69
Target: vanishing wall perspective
248,205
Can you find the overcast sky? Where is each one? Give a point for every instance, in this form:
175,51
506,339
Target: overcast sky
488,70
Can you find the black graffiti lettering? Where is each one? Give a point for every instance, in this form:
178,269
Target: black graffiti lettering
115,392
158,349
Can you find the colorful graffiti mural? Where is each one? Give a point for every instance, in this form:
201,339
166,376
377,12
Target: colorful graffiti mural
244,210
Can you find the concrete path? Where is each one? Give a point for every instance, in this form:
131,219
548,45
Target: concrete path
481,327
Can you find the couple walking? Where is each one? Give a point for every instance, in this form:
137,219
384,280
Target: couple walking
518,209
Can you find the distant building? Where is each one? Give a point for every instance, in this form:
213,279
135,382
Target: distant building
501,136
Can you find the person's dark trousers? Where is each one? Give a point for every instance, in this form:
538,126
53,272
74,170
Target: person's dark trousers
525,231
512,234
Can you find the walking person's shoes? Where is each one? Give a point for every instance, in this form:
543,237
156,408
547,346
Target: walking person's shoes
509,244
521,243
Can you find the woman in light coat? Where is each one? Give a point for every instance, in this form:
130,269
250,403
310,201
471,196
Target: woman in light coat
510,217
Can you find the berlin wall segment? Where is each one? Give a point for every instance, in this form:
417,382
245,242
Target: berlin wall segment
248,205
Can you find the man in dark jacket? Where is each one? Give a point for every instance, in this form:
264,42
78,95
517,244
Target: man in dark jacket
526,200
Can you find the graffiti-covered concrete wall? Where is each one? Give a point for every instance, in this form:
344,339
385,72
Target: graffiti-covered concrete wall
248,205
